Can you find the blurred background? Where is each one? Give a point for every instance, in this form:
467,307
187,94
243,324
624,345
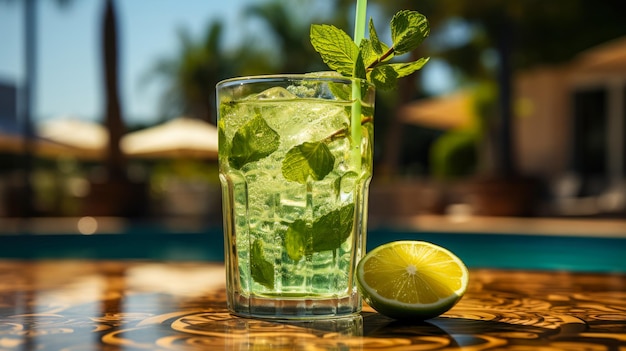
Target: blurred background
107,109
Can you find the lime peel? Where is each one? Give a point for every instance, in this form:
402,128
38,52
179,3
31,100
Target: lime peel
420,267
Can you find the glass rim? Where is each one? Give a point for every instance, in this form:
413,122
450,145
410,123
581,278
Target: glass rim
290,77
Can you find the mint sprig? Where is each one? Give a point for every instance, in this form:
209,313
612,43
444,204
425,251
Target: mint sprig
325,233
370,60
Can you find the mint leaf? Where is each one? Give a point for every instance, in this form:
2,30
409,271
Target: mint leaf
340,91
222,142
377,46
332,229
308,160
408,30
326,233
296,239
373,50
404,69
261,269
336,47
359,67
384,77
253,141
368,53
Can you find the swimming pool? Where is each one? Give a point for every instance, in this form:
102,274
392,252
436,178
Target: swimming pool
477,250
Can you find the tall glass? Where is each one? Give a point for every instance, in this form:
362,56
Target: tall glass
295,158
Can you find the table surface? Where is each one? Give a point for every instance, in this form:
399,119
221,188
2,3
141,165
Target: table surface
145,305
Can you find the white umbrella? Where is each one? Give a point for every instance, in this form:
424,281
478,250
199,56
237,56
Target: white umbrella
180,137
84,139
13,143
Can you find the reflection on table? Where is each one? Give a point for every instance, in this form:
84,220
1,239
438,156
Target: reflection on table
133,305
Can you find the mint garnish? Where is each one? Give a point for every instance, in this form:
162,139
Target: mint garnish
336,47
370,60
253,141
408,30
326,233
261,269
308,160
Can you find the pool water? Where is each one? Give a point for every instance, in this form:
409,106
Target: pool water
477,250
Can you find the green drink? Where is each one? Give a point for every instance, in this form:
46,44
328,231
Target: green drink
295,159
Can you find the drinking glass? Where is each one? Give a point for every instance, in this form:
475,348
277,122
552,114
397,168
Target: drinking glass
295,161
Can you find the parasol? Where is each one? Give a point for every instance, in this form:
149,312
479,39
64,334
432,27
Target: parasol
179,137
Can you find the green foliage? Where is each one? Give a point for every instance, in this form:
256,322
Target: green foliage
454,155
370,59
289,26
191,75
184,169
538,24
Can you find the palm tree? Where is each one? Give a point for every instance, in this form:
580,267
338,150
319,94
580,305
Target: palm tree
296,54
388,125
113,111
115,161
198,66
533,32
521,34
30,54
27,100
115,195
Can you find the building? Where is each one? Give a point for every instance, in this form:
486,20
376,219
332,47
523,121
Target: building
570,129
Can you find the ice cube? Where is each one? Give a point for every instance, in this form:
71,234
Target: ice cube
302,91
275,93
324,74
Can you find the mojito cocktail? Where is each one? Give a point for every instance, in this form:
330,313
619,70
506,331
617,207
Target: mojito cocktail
295,156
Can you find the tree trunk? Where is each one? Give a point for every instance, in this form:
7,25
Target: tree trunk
116,196
504,152
113,116
26,198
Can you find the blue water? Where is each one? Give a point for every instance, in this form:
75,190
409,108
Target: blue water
477,250
520,251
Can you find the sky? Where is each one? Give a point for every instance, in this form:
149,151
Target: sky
68,77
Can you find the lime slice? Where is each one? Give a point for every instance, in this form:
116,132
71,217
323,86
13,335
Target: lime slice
411,280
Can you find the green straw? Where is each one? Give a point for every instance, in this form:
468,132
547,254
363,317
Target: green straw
359,21
359,34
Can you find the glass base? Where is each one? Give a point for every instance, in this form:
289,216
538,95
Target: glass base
294,308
